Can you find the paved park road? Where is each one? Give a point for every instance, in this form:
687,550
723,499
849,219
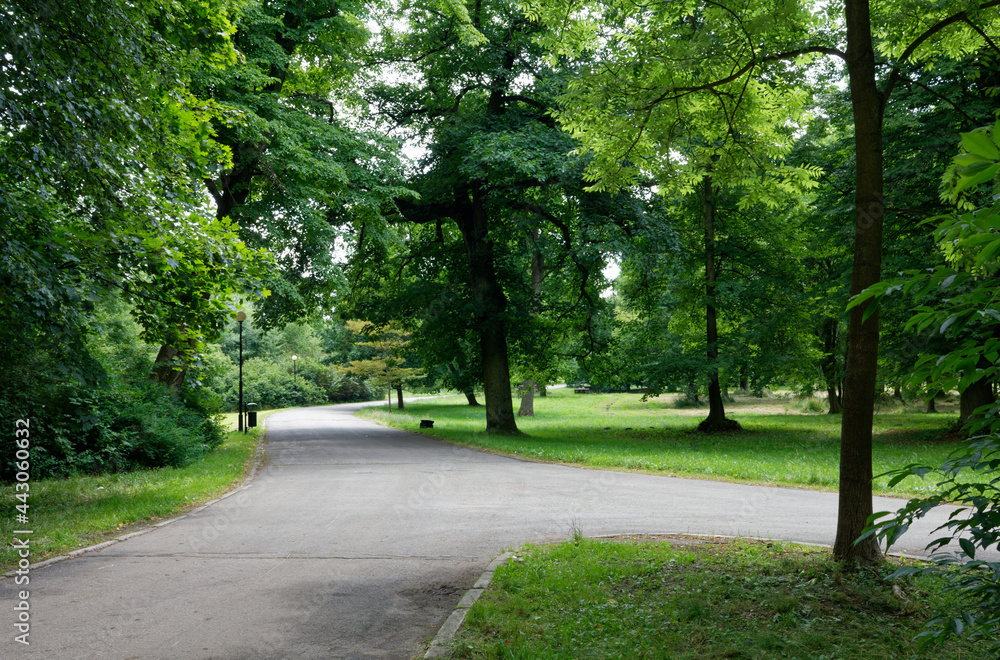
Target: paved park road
356,541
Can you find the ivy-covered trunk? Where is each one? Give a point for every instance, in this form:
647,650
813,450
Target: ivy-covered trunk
170,367
855,499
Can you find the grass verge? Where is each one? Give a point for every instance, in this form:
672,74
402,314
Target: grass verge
695,598
620,431
67,514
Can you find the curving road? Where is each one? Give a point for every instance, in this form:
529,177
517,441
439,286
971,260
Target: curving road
356,541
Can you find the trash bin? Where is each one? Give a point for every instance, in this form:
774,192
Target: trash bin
251,415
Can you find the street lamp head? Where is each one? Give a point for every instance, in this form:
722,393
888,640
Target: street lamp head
241,316
294,358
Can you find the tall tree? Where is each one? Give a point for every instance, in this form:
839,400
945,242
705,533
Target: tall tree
296,169
737,46
102,149
496,170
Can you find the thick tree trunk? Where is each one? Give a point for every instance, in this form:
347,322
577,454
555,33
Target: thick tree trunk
716,420
543,390
399,396
977,394
470,396
527,408
855,498
170,367
491,303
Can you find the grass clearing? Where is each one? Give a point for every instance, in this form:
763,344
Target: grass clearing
779,445
638,597
67,514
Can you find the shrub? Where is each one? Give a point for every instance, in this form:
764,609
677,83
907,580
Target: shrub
121,426
270,385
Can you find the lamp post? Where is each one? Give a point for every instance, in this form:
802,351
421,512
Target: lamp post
294,360
240,318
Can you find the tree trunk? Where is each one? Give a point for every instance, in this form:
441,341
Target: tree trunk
470,396
399,396
979,393
716,420
527,408
828,365
543,390
855,498
491,303
169,368
931,408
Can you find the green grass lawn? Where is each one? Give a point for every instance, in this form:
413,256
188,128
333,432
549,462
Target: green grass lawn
66,514
778,445
696,599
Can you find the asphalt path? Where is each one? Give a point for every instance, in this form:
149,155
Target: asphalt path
356,541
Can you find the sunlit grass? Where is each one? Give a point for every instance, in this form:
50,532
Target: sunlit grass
66,514
695,598
622,432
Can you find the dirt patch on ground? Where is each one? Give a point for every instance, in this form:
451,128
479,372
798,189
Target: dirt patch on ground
436,595
741,403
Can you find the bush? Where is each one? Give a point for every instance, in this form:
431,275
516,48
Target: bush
345,389
976,527
100,412
122,426
270,385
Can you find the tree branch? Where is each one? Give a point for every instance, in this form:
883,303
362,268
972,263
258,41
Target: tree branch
676,92
961,16
316,99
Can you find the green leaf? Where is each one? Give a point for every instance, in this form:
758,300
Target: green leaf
979,144
988,253
967,160
983,176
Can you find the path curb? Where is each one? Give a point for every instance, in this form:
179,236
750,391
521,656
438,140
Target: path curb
439,645
72,554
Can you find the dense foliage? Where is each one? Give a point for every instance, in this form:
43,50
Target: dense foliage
116,419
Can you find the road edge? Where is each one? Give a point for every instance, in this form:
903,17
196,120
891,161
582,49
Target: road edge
439,647
257,460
